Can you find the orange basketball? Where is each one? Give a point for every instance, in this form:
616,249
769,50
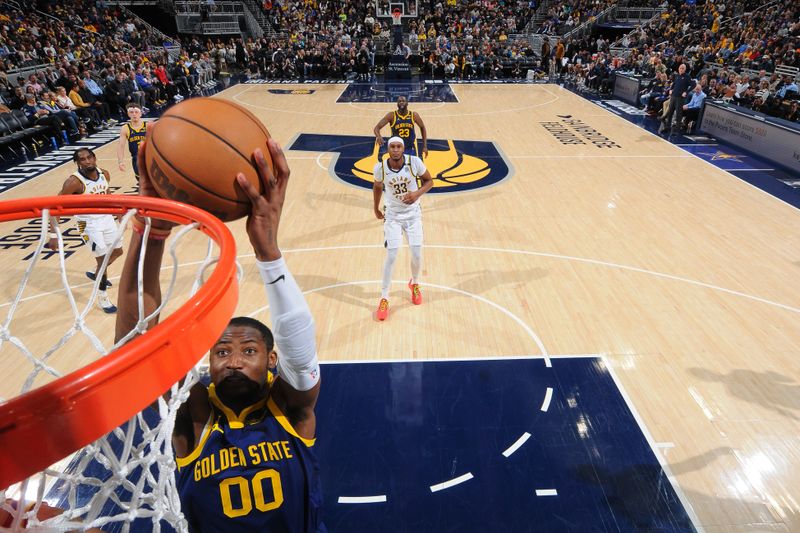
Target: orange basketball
196,149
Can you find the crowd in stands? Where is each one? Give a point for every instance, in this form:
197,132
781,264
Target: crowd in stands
321,39
740,34
92,61
486,61
720,42
285,58
474,23
565,16
473,40
340,40
97,58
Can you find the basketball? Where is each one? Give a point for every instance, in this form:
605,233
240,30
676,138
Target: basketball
195,151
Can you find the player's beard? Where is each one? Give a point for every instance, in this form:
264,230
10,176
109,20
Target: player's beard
237,391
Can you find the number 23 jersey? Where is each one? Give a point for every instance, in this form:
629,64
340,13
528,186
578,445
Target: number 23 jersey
249,473
396,183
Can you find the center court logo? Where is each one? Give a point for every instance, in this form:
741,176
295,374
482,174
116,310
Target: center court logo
456,165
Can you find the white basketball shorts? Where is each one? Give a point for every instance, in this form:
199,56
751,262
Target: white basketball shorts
99,233
393,230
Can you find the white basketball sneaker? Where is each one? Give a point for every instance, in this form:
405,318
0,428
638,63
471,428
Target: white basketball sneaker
104,303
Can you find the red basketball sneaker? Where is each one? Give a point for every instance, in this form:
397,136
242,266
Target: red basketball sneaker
416,295
383,309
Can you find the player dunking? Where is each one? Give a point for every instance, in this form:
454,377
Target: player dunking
98,231
244,445
402,123
398,175
131,134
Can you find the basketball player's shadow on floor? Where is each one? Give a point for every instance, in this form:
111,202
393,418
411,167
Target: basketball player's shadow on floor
483,281
356,295
435,203
636,493
362,299
466,230
356,211
44,279
776,392
48,283
330,232
350,201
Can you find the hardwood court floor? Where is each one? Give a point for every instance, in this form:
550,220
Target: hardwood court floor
681,275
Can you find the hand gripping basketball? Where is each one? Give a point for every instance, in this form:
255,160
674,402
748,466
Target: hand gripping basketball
265,213
196,150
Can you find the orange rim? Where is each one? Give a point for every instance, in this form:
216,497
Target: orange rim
42,426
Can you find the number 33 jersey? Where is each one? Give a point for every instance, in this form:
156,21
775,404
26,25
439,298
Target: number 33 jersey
397,183
250,473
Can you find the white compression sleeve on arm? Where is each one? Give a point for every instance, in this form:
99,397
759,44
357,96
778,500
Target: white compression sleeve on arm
292,326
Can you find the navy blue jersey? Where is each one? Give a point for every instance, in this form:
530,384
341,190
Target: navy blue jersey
251,472
135,138
403,127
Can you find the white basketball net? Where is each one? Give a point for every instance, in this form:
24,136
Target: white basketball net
128,474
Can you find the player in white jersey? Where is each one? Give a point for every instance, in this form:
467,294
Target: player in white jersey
399,176
98,231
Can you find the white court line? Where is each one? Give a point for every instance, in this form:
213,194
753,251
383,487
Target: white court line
546,492
652,443
548,396
487,249
451,483
620,266
514,447
346,86
319,163
362,499
687,156
464,359
488,302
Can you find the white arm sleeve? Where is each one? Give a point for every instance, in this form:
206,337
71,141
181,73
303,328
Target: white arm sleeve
292,326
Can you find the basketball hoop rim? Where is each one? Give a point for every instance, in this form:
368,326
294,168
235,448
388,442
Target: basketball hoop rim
43,425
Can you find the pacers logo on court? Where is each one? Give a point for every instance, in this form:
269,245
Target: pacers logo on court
455,165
